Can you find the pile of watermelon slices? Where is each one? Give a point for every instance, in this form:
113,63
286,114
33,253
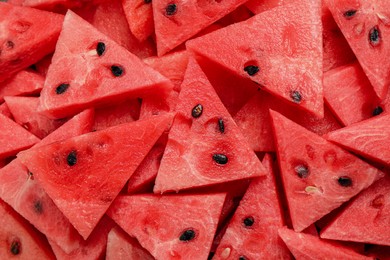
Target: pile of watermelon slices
207,129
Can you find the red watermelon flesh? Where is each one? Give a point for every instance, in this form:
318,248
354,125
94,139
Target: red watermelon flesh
186,17
72,172
92,248
4,110
171,226
308,247
369,138
139,14
253,230
109,18
259,6
24,40
24,193
42,66
24,111
274,53
14,138
18,239
240,14
254,120
318,176
24,82
116,74
204,146
349,94
125,112
365,25
366,219
121,246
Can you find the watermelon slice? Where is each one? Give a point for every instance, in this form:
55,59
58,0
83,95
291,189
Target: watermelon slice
204,144
20,189
171,226
304,246
318,176
14,138
24,82
4,110
24,111
284,64
186,17
84,199
369,214
253,231
18,239
365,26
105,72
121,246
24,40
349,94
369,138
139,14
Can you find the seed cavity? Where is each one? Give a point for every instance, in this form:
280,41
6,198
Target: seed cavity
197,111
30,176
38,207
187,235
248,221
345,181
71,159
171,9
10,44
251,70
350,14
377,111
242,258
100,48
374,36
116,70
16,247
302,171
62,88
220,158
296,96
378,202
221,125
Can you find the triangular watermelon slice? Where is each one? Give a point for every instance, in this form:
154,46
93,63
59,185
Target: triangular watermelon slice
21,23
272,49
18,239
104,71
253,230
368,214
24,112
186,17
13,137
204,145
308,247
318,176
170,226
121,246
365,26
139,14
369,138
74,172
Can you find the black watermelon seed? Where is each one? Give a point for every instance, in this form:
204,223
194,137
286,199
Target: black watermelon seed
221,125
30,175
10,44
251,70
16,247
377,111
350,13
220,158
117,71
171,9
248,221
197,111
100,48
71,159
38,207
62,88
242,258
296,96
302,171
345,181
187,235
147,1
374,36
